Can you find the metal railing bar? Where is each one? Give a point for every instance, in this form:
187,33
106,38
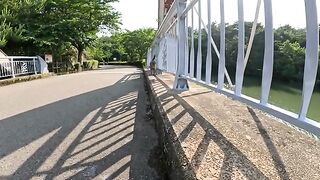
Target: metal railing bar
189,7
199,58
192,46
222,56
168,16
253,32
311,57
216,50
209,55
268,59
172,24
240,54
17,57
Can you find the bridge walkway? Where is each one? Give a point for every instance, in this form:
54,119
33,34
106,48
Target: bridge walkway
220,138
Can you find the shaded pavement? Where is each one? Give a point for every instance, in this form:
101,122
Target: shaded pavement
90,125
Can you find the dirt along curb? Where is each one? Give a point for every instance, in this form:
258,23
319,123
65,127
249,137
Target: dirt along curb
19,79
177,165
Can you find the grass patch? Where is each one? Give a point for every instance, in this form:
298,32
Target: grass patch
18,79
118,63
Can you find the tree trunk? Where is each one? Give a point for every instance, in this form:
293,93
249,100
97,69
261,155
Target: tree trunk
80,52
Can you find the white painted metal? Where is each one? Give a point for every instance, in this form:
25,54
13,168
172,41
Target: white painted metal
287,116
174,25
172,54
162,55
186,67
180,82
240,56
268,53
312,56
189,7
171,26
34,66
209,55
192,46
199,54
19,57
253,32
222,57
149,57
12,68
166,21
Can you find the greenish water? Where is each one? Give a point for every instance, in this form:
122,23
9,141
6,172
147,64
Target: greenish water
283,95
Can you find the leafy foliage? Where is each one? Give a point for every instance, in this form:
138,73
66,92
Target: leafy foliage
53,26
289,51
131,46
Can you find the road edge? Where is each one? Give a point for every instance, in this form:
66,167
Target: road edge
178,166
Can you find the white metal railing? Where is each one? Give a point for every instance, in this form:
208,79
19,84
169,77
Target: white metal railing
12,66
175,26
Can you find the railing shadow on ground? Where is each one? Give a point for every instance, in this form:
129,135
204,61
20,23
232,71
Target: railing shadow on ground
233,157
101,135
277,160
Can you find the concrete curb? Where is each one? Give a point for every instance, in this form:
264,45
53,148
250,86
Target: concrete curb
178,166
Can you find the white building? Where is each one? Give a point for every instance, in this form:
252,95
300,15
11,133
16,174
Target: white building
2,54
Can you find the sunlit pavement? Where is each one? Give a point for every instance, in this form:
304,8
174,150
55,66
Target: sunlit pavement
89,125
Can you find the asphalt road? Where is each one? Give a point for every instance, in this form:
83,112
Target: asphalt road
89,125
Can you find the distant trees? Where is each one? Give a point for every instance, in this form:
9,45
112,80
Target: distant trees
54,26
136,43
131,46
289,51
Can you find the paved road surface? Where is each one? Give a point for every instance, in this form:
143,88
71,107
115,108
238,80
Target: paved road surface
89,125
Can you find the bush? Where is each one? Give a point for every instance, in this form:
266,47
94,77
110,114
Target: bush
86,64
77,66
95,64
140,63
91,64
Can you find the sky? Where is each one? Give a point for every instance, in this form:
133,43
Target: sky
138,13
144,13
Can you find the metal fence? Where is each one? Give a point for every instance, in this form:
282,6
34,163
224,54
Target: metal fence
179,59
12,66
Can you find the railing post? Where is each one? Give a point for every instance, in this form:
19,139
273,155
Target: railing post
181,82
12,68
268,53
192,46
311,58
209,55
34,66
186,67
240,56
222,60
199,54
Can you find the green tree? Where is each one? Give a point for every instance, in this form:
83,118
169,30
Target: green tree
77,22
136,43
54,25
8,29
